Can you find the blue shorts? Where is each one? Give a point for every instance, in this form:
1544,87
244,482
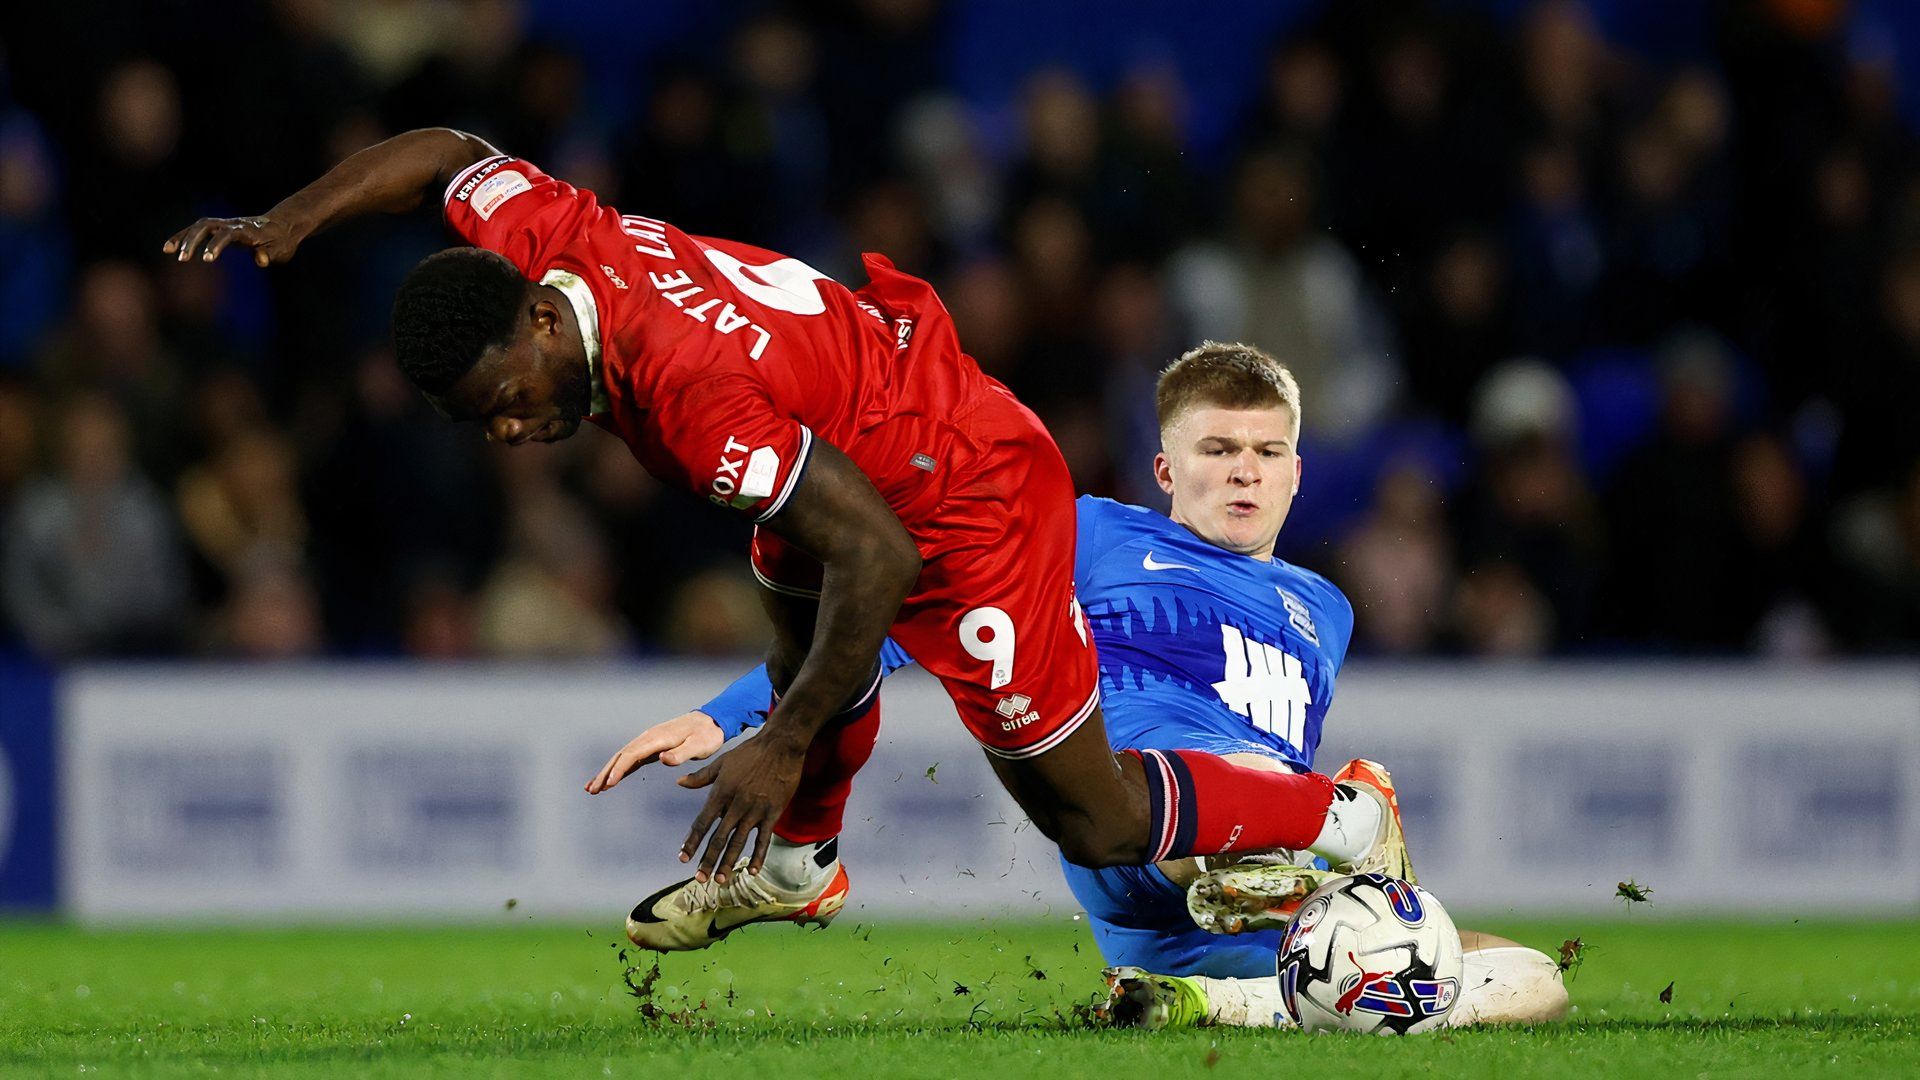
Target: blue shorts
1140,919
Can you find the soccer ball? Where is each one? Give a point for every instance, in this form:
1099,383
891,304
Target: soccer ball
1370,954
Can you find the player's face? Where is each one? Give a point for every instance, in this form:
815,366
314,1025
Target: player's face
1232,474
529,390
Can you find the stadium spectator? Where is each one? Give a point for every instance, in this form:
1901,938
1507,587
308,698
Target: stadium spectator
1779,554
134,147
112,345
1395,199
1667,244
390,38
242,504
1398,565
441,623
91,565
396,497
1559,259
1277,277
551,594
1528,508
942,150
270,612
1878,535
1456,324
775,114
1672,505
1498,613
1135,334
717,613
20,411
1302,98
34,249
678,163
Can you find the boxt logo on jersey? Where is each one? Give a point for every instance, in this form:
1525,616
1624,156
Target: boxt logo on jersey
745,475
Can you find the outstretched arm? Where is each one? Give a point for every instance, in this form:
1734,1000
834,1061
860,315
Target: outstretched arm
694,736
743,704
869,565
389,177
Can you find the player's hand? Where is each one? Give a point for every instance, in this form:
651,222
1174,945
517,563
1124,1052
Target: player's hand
752,785
688,737
272,239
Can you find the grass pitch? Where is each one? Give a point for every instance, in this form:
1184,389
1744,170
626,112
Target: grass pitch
861,1001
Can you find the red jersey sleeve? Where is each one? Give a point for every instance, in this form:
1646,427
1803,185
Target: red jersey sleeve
723,432
508,205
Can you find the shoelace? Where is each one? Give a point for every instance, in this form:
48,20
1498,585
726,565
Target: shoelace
745,890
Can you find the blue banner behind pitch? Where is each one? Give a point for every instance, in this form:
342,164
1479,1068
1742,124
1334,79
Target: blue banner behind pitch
28,875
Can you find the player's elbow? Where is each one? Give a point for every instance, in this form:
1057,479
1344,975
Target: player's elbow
907,563
889,559
452,151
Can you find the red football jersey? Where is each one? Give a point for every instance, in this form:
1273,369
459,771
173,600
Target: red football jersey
721,362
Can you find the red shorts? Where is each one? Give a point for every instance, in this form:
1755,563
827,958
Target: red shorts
993,615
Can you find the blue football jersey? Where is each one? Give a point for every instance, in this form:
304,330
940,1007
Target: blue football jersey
1202,648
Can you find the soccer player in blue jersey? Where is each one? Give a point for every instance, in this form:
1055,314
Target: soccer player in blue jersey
1205,642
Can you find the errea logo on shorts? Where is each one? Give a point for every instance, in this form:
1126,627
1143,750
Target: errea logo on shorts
745,474
1014,708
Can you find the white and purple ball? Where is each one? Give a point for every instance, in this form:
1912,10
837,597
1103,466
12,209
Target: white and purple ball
1370,954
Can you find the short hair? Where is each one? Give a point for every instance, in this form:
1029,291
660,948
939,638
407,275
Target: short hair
1228,375
453,307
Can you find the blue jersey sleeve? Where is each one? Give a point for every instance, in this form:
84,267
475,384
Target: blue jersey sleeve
1088,514
1341,611
743,704
1346,639
892,657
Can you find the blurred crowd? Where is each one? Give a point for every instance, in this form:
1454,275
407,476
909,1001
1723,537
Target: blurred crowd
1601,353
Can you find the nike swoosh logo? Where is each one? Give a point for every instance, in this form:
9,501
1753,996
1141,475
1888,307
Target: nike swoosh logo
1150,563
643,911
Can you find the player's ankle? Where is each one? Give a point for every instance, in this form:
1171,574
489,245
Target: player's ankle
1244,1002
1352,827
797,866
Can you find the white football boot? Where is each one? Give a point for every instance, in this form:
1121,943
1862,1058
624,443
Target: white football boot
1388,855
1261,892
693,914
1137,998
1500,985
1252,894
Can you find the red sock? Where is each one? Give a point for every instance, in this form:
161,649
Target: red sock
820,803
1206,805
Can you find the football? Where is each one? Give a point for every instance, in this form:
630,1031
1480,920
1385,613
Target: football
1370,954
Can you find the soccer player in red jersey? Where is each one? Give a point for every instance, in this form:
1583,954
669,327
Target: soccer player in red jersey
894,488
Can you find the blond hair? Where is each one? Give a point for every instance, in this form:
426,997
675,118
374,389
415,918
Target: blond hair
1229,375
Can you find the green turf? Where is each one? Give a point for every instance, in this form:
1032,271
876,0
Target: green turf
856,1003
